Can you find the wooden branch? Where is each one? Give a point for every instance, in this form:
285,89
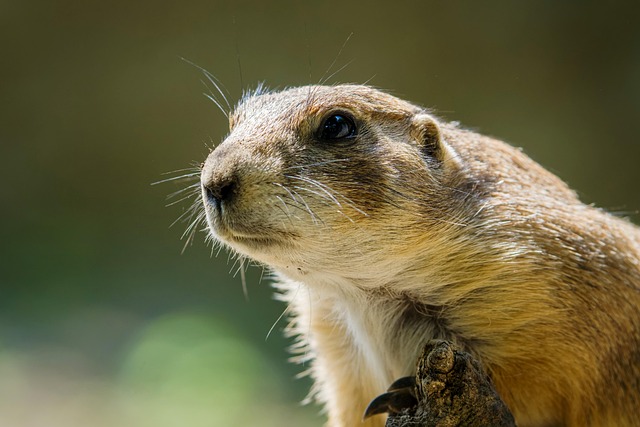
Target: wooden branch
450,389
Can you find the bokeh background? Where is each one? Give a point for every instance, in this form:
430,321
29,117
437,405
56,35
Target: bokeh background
103,322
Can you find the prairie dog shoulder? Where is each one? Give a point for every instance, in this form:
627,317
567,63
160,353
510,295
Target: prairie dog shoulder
389,227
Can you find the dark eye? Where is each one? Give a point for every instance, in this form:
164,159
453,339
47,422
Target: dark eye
337,126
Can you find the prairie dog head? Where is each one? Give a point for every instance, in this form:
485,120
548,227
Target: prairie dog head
324,178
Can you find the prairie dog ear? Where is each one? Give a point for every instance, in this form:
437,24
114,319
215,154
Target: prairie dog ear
426,132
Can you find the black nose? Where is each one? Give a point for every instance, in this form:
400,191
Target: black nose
220,190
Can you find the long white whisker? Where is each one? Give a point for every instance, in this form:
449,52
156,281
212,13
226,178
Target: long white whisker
314,218
285,311
313,182
243,279
215,101
325,200
188,176
190,196
217,84
193,188
328,189
297,202
195,169
337,71
213,79
323,80
191,230
194,220
190,211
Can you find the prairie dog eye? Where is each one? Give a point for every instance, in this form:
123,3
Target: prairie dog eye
337,126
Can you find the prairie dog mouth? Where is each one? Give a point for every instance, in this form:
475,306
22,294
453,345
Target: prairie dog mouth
229,227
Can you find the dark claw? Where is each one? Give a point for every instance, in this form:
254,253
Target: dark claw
379,405
391,402
404,382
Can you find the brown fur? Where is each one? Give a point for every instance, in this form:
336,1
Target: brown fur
416,230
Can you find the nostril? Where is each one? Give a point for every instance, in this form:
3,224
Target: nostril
227,190
211,196
219,191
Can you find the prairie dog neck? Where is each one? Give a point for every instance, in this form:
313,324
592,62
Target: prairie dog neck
359,340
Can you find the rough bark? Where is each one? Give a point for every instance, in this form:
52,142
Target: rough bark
451,389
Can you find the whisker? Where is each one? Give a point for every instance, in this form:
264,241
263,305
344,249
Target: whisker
288,213
323,80
295,200
214,81
193,223
312,182
324,200
338,70
285,311
193,188
285,214
195,169
220,247
191,230
262,267
243,279
316,164
190,211
216,102
298,206
217,83
190,196
187,176
366,82
235,33
328,189
314,218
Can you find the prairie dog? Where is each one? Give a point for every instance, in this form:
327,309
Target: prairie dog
388,228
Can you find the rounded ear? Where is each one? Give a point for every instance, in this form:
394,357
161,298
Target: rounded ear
425,130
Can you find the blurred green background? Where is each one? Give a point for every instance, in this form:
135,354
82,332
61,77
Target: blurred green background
102,321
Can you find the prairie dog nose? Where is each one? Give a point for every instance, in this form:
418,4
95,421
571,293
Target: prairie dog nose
219,183
219,176
220,190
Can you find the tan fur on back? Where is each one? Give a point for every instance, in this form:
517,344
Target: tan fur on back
418,229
